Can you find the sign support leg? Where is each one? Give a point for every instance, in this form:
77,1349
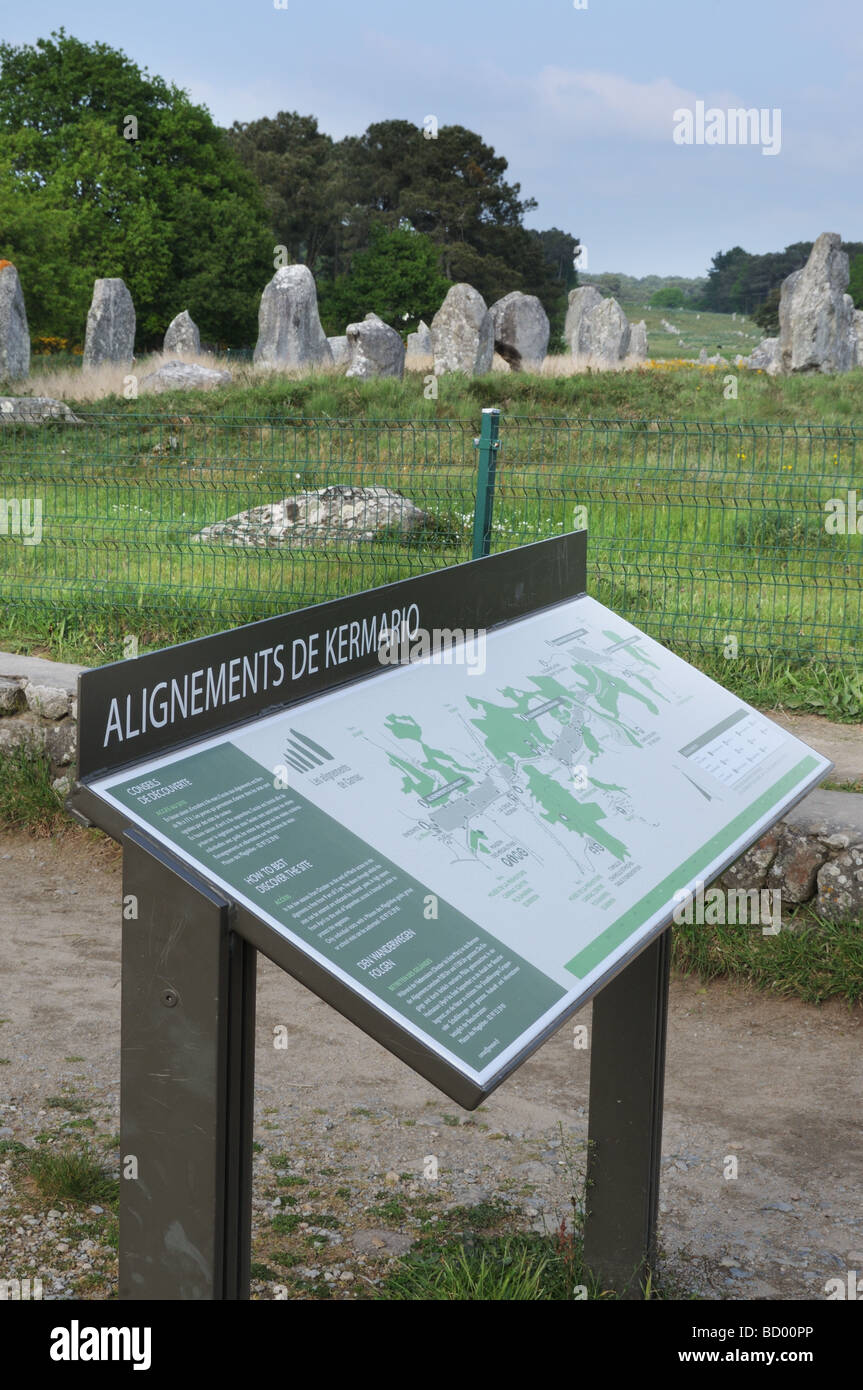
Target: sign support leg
627,1075
187,1060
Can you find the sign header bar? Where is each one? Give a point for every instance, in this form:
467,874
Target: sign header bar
130,710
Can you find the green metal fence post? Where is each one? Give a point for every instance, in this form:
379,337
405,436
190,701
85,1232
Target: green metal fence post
487,445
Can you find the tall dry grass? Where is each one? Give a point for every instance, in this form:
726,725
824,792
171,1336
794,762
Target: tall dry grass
100,383
113,379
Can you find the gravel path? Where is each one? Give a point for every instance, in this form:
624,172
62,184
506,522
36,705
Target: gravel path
345,1133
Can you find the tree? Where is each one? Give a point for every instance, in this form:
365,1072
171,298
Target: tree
326,198
293,162
559,249
672,297
721,293
172,211
609,283
740,282
767,314
452,188
396,277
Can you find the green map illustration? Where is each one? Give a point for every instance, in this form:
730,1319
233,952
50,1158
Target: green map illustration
538,747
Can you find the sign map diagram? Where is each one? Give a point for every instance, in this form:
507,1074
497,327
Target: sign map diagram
472,844
535,749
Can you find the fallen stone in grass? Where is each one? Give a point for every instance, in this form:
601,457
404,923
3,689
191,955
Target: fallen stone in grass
333,515
35,410
184,376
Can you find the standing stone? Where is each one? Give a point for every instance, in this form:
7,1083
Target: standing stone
289,329
182,336
374,349
766,357
581,302
604,333
521,331
638,342
420,343
14,334
857,331
339,349
598,329
815,313
110,325
462,333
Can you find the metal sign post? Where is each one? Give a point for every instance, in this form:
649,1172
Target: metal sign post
627,1079
456,850
187,1082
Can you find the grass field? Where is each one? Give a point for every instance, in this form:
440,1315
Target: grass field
726,334
666,390
705,514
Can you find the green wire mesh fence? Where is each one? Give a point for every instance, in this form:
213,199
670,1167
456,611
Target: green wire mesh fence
736,539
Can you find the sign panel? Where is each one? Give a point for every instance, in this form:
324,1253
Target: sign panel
472,840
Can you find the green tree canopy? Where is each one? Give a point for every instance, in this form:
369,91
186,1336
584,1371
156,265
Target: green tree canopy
173,212
326,197
767,314
559,249
739,281
396,277
672,297
295,166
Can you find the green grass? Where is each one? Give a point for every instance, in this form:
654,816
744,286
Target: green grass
697,546
73,1175
474,1254
73,1104
27,798
832,691
669,390
703,534
814,960
698,329
515,1267
285,1222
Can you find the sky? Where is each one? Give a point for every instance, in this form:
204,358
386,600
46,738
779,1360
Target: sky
579,96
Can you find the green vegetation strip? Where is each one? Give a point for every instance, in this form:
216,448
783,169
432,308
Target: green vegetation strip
810,959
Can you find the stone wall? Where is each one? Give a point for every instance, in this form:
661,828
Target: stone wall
39,708
814,856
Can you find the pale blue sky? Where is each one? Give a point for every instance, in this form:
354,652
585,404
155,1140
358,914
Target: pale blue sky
580,102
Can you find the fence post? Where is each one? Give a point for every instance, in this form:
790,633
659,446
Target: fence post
487,444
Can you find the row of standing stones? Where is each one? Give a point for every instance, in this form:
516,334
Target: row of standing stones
464,334
820,330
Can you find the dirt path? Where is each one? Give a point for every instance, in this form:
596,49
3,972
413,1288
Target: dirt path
777,1084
